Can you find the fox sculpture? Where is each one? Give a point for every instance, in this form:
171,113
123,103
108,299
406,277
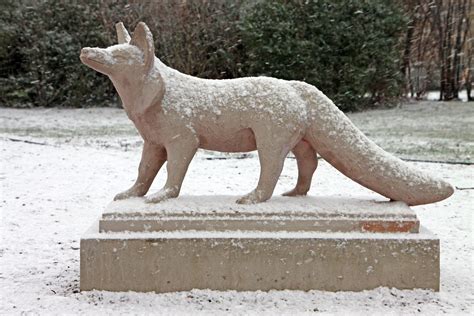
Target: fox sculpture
176,114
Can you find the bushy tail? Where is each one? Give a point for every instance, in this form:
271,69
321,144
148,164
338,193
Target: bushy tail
345,147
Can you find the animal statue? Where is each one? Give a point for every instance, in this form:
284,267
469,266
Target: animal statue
176,114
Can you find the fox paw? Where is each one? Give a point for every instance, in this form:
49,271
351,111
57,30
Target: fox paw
161,196
252,198
127,194
295,192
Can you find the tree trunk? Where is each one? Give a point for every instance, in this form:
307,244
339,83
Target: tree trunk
448,54
436,15
405,69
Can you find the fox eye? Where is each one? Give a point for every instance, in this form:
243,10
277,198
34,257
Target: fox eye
120,58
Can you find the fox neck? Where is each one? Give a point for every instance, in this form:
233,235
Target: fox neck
139,93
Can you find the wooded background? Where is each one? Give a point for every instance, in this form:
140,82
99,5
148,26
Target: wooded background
360,53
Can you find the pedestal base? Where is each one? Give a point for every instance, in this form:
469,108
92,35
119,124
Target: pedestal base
183,248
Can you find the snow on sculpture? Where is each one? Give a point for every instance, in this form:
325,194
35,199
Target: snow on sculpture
176,114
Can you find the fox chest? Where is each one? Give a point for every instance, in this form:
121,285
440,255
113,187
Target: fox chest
149,128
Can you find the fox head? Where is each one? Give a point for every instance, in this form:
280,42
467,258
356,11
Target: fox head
130,65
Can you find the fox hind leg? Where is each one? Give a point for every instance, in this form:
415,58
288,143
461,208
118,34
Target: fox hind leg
307,163
271,165
273,146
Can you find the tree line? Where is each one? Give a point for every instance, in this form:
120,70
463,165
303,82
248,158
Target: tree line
438,47
360,53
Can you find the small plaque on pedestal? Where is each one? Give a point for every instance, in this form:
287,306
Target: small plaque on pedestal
303,243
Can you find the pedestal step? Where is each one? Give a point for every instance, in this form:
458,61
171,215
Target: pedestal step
179,261
320,243
221,213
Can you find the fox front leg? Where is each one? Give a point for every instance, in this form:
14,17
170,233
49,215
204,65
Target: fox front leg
153,158
179,153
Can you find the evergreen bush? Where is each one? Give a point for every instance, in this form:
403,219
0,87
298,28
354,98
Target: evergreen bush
348,49
39,59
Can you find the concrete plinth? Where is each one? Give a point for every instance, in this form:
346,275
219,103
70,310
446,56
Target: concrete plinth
307,243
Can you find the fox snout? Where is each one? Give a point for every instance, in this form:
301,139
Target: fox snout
88,53
96,58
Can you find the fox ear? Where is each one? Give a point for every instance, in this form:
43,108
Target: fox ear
122,35
143,39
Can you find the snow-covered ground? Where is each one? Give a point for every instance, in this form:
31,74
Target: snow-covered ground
434,131
434,95
59,168
439,131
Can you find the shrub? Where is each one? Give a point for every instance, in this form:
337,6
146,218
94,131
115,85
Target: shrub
348,49
39,60
40,45
199,37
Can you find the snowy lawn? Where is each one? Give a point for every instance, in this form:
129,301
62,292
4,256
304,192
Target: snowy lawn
435,131
57,183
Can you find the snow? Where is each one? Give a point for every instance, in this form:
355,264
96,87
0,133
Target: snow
99,55
434,95
193,97
321,206
288,111
248,234
299,110
52,193
110,54
365,162
435,131
126,51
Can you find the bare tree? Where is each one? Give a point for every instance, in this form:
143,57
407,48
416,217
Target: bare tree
451,19
438,46
468,73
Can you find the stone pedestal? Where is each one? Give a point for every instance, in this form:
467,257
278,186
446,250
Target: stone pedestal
305,243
